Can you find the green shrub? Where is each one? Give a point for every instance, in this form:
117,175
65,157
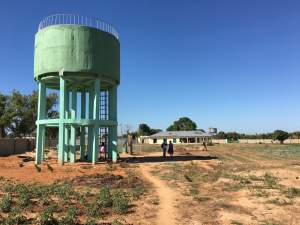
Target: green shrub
46,217
9,188
94,210
117,222
70,218
24,195
137,191
90,222
104,198
292,192
6,203
120,202
270,181
64,191
15,217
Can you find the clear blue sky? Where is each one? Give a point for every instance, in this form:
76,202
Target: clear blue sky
232,64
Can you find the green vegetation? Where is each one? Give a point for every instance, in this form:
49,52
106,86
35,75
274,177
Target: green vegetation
6,203
137,191
62,203
18,113
120,202
183,124
145,130
280,135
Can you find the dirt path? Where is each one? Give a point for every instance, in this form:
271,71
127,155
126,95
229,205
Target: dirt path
167,197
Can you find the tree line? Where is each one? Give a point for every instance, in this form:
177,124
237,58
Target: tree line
18,113
276,135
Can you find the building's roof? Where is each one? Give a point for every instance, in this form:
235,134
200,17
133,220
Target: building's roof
181,134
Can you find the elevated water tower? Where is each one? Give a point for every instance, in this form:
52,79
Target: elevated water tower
80,57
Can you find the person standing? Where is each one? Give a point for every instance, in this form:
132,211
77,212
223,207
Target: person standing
102,149
171,149
164,148
204,146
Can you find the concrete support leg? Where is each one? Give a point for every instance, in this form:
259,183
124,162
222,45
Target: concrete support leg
113,131
61,138
67,143
40,143
73,127
90,128
96,109
82,128
67,127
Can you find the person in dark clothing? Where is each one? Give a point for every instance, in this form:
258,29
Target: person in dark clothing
164,148
204,146
171,149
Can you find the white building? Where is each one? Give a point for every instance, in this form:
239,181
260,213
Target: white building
177,137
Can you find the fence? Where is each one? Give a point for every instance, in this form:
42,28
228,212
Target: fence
256,141
10,146
70,19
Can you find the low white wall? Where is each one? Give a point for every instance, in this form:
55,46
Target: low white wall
268,141
219,141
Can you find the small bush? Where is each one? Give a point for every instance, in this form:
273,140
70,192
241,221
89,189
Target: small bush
270,181
120,202
6,203
90,222
94,210
23,194
64,191
15,218
280,202
137,192
292,192
46,217
104,197
70,218
9,188
117,222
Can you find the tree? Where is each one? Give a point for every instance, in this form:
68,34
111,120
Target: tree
234,136
280,135
154,131
221,135
5,115
183,124
144,130
24,110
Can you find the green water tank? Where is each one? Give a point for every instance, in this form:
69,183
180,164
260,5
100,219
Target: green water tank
82,47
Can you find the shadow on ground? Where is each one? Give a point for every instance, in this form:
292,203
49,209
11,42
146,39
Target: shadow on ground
153,159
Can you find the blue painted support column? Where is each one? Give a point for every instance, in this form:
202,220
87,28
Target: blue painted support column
61,138
73,127
96,118
67,127
40,139
90,128
82,128
113,131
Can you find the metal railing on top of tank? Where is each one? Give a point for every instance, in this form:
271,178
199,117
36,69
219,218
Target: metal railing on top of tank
57,19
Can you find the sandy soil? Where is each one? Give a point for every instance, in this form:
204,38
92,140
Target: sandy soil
219,191
167,198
